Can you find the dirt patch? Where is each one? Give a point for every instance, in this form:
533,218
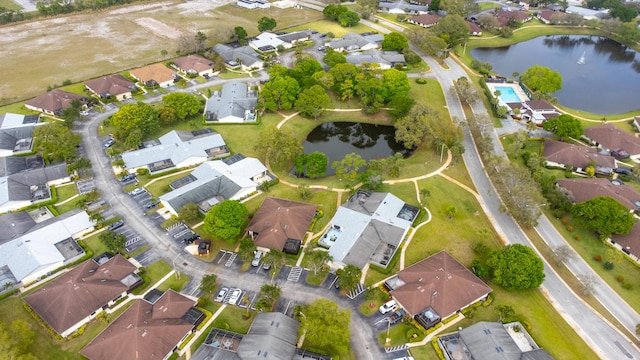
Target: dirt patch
158,28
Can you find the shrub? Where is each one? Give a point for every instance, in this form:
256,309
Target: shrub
421,81
627,286
620,278
597,257
570,228
564,221
608,265
526,325
577,237
488,301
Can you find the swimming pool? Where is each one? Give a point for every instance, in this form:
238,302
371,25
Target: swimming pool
508,95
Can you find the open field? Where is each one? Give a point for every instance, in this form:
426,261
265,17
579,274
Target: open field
46,52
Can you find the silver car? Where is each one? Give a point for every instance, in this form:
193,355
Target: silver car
221,294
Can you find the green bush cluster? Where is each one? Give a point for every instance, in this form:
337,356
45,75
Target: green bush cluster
489,300
421,81
436,347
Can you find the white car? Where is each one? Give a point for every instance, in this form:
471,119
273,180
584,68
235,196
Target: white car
137,191
221,294
235,296
389,306
257,256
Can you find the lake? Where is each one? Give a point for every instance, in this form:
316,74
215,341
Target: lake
606,82
337,139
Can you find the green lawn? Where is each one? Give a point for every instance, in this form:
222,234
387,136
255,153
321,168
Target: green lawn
66,207
231,319
153,273
94,243
66,191
325,26
175,282
9,5
161,186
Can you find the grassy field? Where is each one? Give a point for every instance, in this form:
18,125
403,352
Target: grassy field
326,26
95,244
231,319
176,282
161,186
153,273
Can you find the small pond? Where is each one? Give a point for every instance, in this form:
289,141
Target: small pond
599,75
337,139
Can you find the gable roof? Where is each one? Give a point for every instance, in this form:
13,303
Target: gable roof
53,101
278,220
193,63
18,186
371,56
176,146
575,155
425,19
110,85
157,72
73,296
612,137
16,139
14,225
630,242
11,120
439,282
233,100
144,331
246,54
272,336
587,189
10,165
490,340
351,40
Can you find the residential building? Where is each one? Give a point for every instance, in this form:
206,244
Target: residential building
587,14
235,103
12,121
242,57
267,42
582,190
194,65
545,15
402,7
629,243
562,154
147,330
53,102
233,178
436,288
16,133
72,299
30,186
505,16
474,28
536,111
385,59
425,20
356,42
176,150
254,4
116,86
369,227
611,138
281,224
492,340
154,75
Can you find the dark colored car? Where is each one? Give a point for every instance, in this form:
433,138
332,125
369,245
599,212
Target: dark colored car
128,177
623,170
115,225
151,204
109,143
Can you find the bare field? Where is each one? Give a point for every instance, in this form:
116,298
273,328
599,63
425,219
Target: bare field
87,45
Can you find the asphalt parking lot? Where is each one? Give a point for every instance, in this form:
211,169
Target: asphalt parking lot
134,241
148,257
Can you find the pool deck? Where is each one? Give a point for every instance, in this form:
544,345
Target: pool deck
516,87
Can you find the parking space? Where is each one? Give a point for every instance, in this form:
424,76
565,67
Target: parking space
156,218
134,241
226,258
148,257
286,306
182,234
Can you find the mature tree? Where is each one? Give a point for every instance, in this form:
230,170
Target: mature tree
266,24
400,106
459,7
506,313
542,79
323,78
394,41
369,89
333,11
342,72
200,41
412,129
189,213
349,19
347,169
444,133
367,7
349,277
240,33
563,254
208,284
113,241
56,142
269,294
246,250
303,72
72,113
279,93
316,164
317,260
516,267
225,220
488,21
625,13
278,146
325,325
564,126
604,215
183,103
135,116
466,90
134,139
167,115
333,58
276,259
313,102
453,29
80,165
394,83
431,44
16,339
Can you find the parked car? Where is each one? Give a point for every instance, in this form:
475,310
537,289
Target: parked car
322,48
151,204
257,256
109,143
623,170
221,294
266,266
137,191
389,306
396,317
116,225
235,296
128,177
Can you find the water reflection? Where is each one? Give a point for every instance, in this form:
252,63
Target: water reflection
610,67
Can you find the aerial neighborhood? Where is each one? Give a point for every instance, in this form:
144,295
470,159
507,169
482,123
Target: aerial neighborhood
393,180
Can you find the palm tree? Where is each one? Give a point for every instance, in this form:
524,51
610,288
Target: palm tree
275,259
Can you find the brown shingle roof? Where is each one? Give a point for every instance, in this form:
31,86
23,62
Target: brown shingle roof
587,189
613,137
540,105
157,72
193,62
73,296
629,242
426,19
112,84
575,155
278,220
54,101
439,282
144,331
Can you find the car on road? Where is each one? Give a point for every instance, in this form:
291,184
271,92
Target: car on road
137,191
322,48
109,143
128,177
221,294
389,306
257,256
235,296
115,225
